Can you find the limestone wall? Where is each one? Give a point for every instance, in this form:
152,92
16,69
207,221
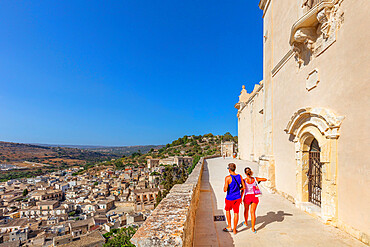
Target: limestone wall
250,125
324,67
172,222
343,88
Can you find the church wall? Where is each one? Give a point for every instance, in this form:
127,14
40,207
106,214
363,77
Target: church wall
258,143
343,88
266,165
245,134
281,27
251,136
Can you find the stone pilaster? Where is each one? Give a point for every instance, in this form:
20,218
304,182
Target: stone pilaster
267,170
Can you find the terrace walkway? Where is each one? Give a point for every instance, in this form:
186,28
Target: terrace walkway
279,222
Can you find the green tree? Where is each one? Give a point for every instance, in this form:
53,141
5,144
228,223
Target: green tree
158,199
121,238
195,161
25,192
227,137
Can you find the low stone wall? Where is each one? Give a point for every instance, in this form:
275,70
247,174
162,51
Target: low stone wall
172,222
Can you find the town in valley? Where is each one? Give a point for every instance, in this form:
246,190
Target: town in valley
87,204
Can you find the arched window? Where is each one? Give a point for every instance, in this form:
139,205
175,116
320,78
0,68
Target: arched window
314,174
315,146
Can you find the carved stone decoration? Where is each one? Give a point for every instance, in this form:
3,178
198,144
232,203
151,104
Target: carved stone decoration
312,79
243,98
305,38
323,119
298,53
326,30
305,35
323,125
316,30
324,27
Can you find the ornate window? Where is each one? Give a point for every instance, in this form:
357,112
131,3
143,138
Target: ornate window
315,133
316,30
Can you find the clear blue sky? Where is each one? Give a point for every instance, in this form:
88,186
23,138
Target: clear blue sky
125,72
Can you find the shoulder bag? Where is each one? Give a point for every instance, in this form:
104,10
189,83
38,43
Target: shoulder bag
256,190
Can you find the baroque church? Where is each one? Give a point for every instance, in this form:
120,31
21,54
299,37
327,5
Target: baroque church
306,122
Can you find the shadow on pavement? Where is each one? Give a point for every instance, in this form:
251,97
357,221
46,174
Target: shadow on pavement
264,220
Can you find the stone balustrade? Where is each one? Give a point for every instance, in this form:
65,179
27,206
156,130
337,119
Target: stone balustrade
172,222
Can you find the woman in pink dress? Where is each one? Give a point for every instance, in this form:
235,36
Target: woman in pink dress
249,196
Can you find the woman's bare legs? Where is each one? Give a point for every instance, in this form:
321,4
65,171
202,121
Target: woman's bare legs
253,215
246,209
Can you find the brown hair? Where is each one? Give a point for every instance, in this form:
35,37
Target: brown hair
248,171
232,167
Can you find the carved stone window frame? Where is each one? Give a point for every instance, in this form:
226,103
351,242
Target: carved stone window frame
323,125
316,30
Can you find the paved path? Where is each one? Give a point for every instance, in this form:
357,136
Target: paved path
279,222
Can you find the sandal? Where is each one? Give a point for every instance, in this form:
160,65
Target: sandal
254,230
227,230
245,224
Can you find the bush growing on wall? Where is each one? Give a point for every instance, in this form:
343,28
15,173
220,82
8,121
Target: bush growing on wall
195,162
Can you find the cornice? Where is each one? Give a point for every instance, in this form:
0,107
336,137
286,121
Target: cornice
282,62
253,94
263,5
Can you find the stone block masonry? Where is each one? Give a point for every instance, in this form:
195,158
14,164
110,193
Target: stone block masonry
172,222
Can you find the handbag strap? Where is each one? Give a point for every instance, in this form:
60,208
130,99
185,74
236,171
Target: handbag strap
236,181
256,182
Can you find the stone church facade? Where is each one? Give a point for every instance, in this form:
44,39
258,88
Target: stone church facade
306,122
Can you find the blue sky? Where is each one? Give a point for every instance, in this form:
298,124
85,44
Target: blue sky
125,72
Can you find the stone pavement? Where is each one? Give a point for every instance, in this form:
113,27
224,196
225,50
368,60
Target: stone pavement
279,222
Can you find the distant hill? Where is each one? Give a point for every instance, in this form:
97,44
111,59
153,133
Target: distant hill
11,153
127,150
67,146
123,150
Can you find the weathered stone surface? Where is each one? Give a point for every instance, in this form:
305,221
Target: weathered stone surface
172,222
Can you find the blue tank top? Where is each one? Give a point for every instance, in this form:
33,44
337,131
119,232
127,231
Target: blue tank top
233,191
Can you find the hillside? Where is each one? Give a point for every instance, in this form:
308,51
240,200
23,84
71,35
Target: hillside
17,153
193,146
38,159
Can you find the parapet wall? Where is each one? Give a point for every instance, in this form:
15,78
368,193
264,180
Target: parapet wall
172,222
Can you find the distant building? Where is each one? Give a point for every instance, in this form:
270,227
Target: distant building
227,148
93,239
40,195
151,163
136,217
